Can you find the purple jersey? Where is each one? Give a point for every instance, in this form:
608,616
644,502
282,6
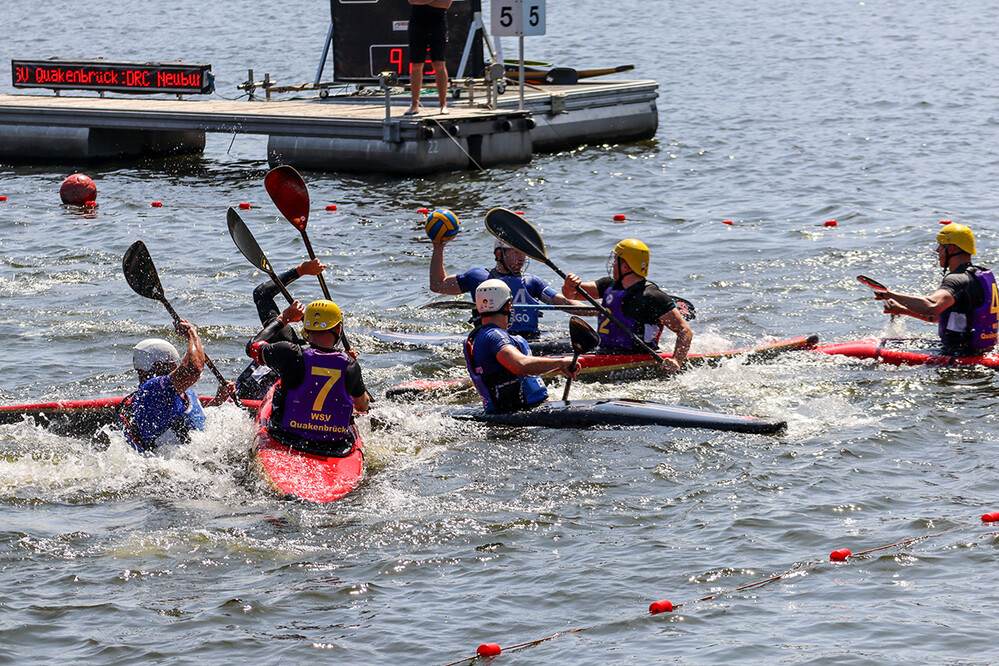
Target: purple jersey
320,408
611,335
971,328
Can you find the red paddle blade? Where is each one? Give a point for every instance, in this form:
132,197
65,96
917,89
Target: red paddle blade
289,194
873,284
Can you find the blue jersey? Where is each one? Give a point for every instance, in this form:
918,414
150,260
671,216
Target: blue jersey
527,289
156,415
501,390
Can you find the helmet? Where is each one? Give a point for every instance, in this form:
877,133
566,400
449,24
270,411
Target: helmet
322,315
635,253
959,235
491,296
442,225
149,352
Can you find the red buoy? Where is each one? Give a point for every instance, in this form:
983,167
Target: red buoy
519,212
840,555
829,223
661,606
157,204
90,204
244,206
423,211
488,650
729,222
990,517
620,217
3,198
77,190
944,221
331,207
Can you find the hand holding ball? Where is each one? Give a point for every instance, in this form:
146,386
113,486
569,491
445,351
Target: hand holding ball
442,225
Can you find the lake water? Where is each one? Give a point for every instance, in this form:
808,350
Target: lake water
881,115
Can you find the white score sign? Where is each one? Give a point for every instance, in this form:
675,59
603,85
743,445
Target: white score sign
518,18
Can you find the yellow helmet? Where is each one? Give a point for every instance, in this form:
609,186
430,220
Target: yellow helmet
636,254
322,315
959,235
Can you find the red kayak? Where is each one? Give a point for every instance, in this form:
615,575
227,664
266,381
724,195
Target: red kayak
905,351
296,475
605,363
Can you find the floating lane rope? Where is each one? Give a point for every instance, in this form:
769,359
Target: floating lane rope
490,650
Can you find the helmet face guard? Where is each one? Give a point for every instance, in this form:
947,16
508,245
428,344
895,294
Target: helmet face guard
500,249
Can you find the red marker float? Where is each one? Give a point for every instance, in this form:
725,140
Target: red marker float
840,555
90,204
331,207
620,217
244,206
729,222
423,211
829,223
488,650
3,198
519,212
661,606
990,517
944,221
157,204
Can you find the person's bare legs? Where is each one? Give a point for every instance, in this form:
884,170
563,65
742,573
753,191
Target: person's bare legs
415,87
440,76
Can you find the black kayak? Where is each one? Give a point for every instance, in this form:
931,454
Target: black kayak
621,412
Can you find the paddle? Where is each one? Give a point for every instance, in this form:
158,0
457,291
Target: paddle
247,244
141,275
518,233
584,339
685,307
287,190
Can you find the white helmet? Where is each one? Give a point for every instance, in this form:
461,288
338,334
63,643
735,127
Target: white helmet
491,296
152,351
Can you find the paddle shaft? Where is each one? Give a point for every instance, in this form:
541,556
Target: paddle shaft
208,361
568,381
322,283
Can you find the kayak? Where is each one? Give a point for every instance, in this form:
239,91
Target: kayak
296,475
76,417
905,351
541,72
591,364
621,412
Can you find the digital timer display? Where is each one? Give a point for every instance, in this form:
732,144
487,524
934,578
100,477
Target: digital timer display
371,36
100,75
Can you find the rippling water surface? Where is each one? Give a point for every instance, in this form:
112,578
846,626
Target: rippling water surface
774,116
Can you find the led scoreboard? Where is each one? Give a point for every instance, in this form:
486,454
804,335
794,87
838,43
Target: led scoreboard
125,77
371,36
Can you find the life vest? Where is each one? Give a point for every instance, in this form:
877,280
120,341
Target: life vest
190,419
501,390
611,335
521,320
320,409
972,329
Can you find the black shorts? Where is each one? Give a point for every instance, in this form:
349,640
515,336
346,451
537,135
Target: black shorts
427,32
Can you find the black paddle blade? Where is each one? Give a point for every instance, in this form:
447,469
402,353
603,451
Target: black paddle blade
584,338
245,241
562,76
685,308
448,305
288,192
516,232
140,273
873,284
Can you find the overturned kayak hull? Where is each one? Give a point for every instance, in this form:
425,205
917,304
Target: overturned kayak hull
905,351
294,475
622,412
592,364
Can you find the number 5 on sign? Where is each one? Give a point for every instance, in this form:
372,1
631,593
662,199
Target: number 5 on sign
518,18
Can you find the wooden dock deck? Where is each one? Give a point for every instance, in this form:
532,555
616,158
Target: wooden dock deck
350,133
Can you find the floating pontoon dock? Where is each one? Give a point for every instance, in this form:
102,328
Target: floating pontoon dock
350,133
